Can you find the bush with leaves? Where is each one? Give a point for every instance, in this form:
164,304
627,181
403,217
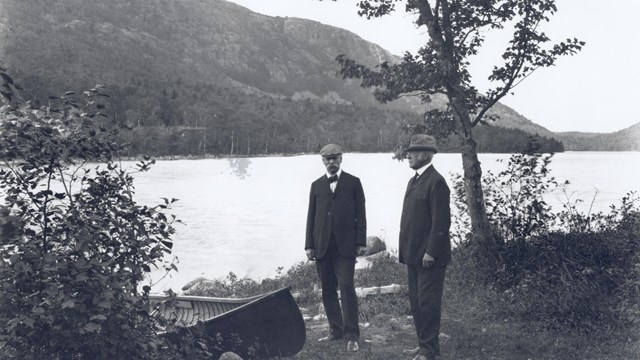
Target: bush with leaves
568,279
301,277
562,269
72,270
514,198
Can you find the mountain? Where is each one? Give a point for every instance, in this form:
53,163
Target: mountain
624,140
215,42
210,76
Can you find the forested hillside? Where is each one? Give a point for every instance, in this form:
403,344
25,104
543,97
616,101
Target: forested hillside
195,77
624,140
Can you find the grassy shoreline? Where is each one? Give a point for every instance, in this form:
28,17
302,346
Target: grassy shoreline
472,326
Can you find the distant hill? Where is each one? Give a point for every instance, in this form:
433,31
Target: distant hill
209,76
624,140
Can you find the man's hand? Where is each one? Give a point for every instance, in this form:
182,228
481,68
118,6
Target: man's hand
361,250
311,254
428,260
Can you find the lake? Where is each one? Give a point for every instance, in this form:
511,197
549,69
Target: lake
248,215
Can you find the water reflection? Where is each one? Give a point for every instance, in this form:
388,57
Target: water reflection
240,167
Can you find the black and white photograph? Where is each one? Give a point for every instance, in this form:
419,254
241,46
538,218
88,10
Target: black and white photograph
319,179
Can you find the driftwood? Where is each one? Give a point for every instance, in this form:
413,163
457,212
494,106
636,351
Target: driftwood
363,292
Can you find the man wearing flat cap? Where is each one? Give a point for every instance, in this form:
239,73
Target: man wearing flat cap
336,234
425,246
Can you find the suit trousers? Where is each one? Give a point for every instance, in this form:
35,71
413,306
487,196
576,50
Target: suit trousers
336,271
425,297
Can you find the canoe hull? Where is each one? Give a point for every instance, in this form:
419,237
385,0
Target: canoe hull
264,327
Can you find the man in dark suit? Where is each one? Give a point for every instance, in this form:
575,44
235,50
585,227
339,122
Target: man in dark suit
425,246
336,234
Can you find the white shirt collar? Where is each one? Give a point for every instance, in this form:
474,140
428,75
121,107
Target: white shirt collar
423,169
337,173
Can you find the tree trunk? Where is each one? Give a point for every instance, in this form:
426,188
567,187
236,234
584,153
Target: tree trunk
481,232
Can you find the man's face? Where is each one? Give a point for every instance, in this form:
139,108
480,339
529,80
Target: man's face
418,159
332,163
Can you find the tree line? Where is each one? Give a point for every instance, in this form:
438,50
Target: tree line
173,118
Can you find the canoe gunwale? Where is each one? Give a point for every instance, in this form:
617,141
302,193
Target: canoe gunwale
246,302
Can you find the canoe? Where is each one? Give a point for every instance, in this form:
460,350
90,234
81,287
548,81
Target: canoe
263,326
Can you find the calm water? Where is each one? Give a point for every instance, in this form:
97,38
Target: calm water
248,216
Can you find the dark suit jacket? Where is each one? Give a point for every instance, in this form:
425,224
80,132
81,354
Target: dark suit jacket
426,219
341,212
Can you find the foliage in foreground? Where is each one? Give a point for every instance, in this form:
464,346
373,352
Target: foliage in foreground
75,245
564,269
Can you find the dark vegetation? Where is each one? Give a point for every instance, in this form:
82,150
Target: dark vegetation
75,246
194,78
205,120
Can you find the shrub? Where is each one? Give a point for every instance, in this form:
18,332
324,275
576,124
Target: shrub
72,270
561,269
382,271
566,279
301,277
514,199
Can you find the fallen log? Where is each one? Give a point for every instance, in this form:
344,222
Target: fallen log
363,292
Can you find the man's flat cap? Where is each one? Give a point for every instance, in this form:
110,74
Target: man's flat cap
331,150
423,142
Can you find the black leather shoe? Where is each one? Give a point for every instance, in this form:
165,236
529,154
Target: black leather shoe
330,337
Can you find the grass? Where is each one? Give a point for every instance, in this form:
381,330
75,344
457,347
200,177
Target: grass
472,327
470,336
474,324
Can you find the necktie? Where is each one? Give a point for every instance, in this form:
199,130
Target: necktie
413,179
333,178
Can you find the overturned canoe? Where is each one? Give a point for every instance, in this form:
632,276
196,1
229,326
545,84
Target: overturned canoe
263,326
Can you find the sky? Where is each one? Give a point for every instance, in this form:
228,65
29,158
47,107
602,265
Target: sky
593,91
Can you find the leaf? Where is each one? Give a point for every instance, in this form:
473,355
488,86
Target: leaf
92,327
29,322
105,304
